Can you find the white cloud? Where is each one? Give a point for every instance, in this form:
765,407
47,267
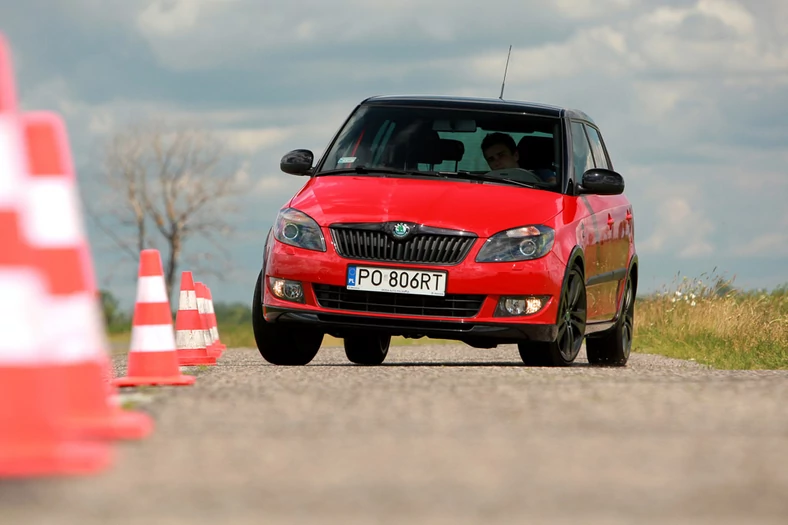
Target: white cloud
730,12
603,50
682,227
773,244
189,35
592,8
167,17
279,184
673,39
252,140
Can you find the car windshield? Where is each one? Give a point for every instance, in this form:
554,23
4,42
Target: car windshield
509,148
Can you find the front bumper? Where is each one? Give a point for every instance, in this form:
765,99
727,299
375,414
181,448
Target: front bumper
338,324
317,271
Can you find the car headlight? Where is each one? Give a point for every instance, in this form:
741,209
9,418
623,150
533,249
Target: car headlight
517,244
299,229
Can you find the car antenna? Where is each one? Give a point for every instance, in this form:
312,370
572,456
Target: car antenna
503,84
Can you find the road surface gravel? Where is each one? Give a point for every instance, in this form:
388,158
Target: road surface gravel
443,434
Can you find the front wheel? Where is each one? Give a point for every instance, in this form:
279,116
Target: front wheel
282,344
571,323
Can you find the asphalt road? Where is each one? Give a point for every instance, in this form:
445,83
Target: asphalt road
440,434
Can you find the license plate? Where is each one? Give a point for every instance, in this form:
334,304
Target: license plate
396,280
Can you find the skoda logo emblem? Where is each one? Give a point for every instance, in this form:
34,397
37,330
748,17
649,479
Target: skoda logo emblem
401,230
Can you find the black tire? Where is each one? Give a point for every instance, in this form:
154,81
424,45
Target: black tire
571,321
367,348
282,344
614,346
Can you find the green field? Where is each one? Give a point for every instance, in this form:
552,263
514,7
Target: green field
715,324
705,320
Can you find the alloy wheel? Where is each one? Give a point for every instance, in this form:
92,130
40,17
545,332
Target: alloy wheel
572,321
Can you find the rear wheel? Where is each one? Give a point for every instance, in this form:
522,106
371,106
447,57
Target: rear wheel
571,323
282,344
613,347
367,348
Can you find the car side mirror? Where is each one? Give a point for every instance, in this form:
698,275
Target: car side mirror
600,181
297,162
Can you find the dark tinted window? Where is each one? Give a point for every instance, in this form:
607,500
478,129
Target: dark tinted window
441,139
581,152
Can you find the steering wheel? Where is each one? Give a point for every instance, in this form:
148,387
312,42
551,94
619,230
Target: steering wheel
520,174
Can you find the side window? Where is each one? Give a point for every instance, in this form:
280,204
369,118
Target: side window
581,152
597,147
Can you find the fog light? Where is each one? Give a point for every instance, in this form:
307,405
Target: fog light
287,290
520,305
514,306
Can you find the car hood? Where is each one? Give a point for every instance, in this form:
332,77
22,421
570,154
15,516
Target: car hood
484,209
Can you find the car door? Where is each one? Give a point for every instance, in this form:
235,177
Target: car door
613,214
589,234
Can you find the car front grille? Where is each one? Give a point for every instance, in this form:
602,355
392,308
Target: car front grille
455,305
423,247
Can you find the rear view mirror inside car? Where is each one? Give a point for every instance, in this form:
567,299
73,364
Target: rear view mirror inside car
456,125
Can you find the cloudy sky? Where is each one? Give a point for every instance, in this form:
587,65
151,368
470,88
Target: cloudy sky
691,97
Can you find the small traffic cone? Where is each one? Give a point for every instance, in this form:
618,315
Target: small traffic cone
202,307
191,338
32,441
75,321
214,325
153,356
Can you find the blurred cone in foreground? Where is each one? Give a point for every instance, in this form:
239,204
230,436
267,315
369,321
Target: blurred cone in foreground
77,332
32,438
214,325
153,357
191,338
32,441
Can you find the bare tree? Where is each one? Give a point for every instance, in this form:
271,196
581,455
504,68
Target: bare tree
163,185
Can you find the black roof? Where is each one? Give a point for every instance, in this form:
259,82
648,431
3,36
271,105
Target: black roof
487,104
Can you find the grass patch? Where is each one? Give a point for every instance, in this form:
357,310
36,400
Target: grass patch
715,324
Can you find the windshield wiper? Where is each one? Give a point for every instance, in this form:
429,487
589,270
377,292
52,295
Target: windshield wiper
462,173
481,176
365,170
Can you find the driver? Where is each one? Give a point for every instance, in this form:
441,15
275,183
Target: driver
500,152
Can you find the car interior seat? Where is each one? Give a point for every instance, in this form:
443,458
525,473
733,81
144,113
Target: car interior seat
423,147
451,150
536,152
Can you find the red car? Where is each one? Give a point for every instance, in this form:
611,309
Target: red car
477,220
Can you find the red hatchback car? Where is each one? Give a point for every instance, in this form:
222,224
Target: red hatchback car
477,220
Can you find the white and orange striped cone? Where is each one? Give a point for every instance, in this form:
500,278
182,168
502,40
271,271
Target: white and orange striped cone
32,440
78,334
153,357
214,326
191,338
202,307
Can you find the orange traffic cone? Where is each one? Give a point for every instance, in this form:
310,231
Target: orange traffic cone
77,330
153,357
191,338
202,300
214,325
32,441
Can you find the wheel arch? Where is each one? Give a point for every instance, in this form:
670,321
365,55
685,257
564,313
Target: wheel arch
633,272
577,257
